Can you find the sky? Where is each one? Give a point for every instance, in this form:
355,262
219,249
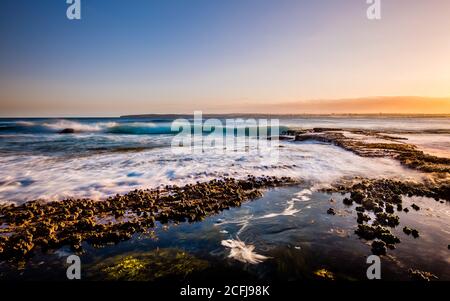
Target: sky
223,56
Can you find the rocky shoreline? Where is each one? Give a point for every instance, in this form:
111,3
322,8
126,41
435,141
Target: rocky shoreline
394,147
39,225
376,202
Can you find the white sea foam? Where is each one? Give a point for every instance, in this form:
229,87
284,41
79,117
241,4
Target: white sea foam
102,175
243,252
290,209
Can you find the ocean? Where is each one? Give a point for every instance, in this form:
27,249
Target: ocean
105,156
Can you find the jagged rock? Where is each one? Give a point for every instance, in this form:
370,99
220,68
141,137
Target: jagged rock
347,201
386,219
410,231
415,207
331,211
378,247
389,208
362,218
360,209
389,238
407,230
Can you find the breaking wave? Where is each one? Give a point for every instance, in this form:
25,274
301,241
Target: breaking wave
112,127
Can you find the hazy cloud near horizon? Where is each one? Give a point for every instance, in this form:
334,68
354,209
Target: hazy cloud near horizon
369,105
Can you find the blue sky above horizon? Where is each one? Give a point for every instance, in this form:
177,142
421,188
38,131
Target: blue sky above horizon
176,56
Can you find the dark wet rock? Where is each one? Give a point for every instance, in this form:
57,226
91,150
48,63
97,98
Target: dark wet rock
410,231
378,247
362,218
389,238
366,232
357,196
283,138
321,130
370,232
399,207
377,209
389,208
406,210
370,204
407,230
421,275
415,207
386,219
360,209
396,199
67,131
391,247
331,211
347,201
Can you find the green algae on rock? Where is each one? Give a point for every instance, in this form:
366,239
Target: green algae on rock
149,266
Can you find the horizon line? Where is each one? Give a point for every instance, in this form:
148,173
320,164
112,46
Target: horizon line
149,115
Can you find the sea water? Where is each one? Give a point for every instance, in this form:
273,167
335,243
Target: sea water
105,156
